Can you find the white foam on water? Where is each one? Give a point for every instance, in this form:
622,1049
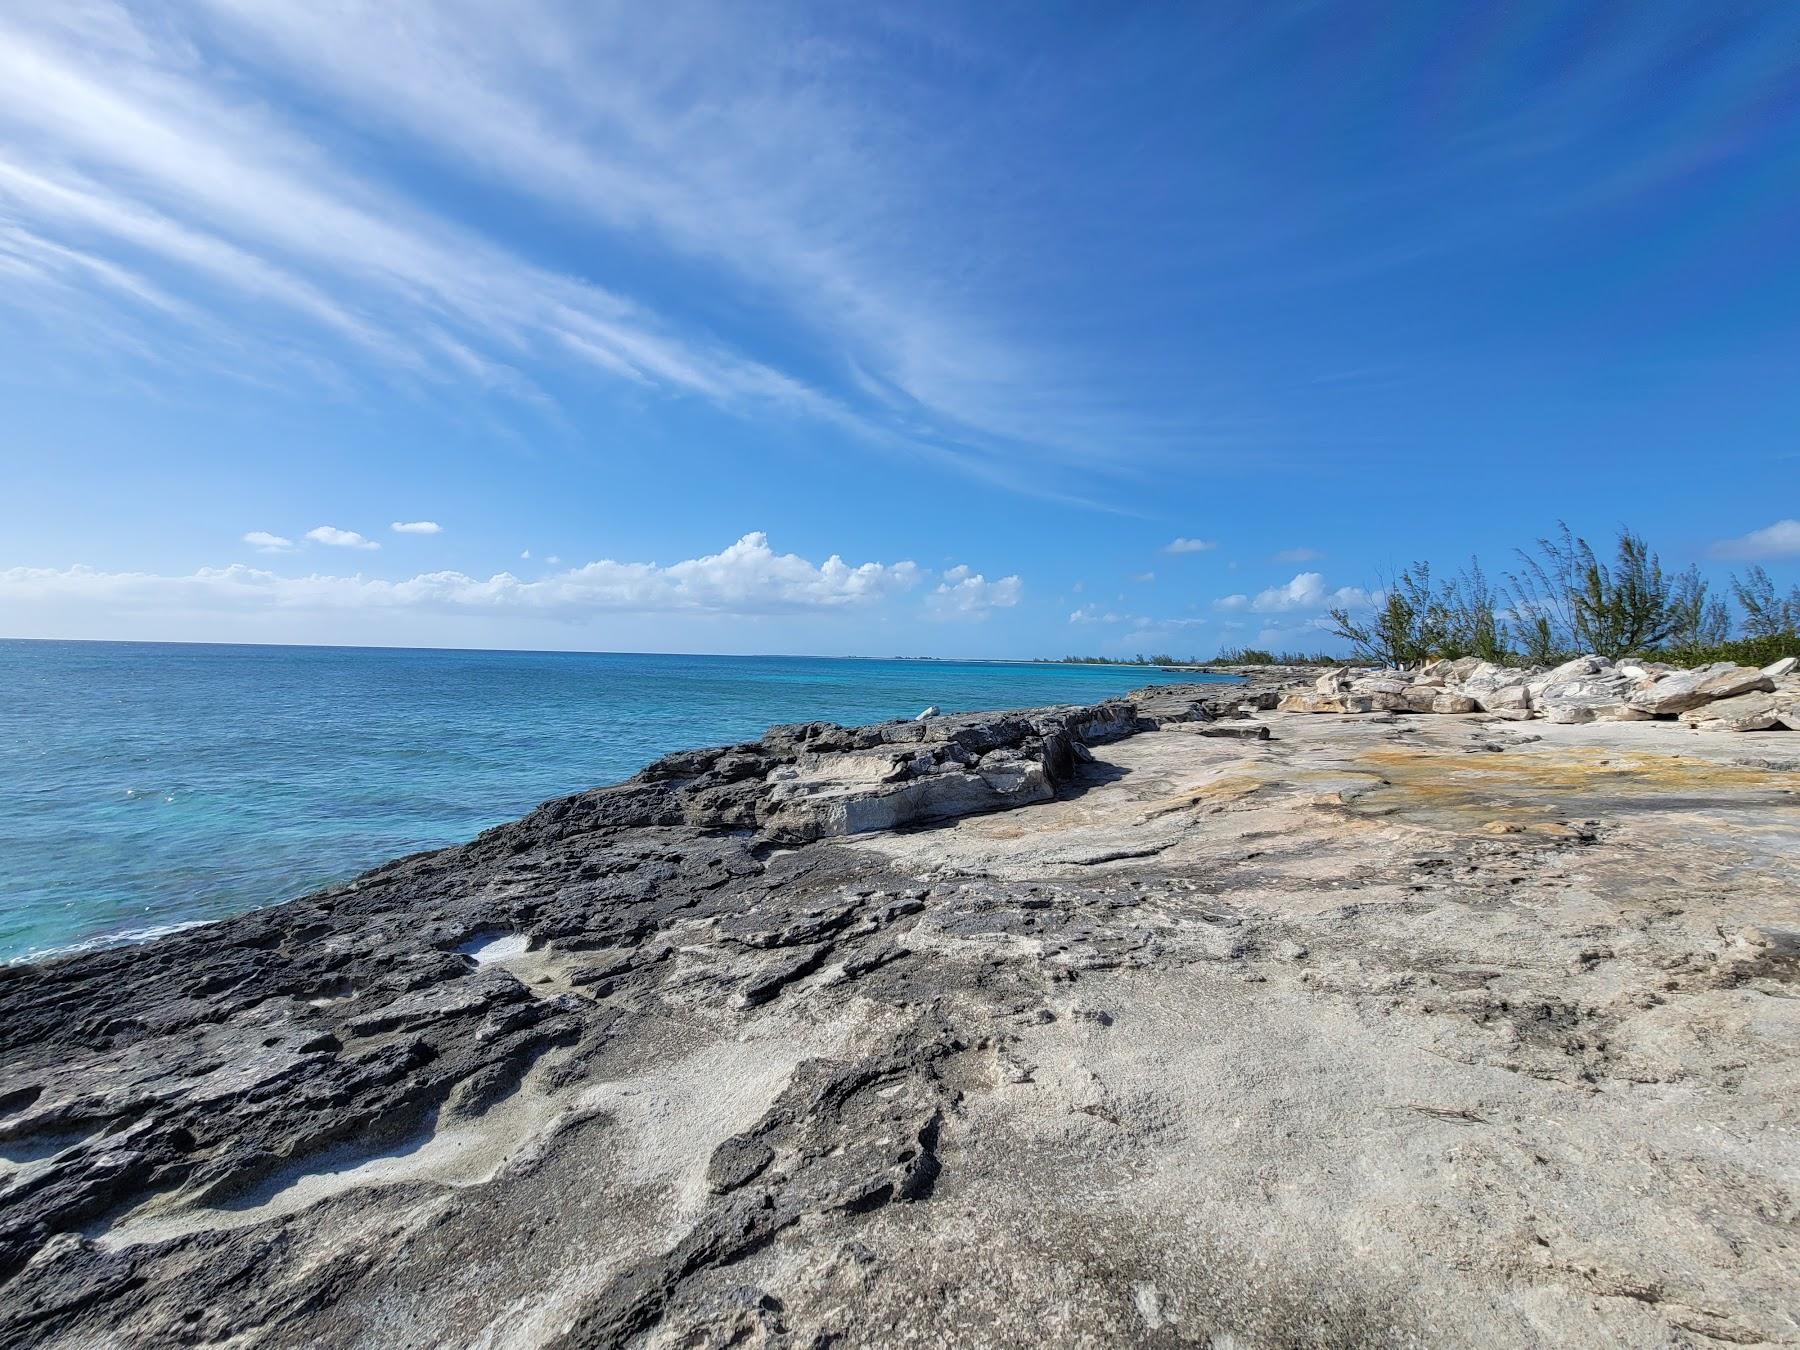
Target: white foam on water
130,937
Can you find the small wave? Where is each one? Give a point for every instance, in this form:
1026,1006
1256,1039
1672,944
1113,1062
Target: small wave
128,938
164,795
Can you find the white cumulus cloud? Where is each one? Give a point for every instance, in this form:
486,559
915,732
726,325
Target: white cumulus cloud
1094,614
1306,592
264,542
416,527
330,534
748,578
967,594
1780,540
1185,545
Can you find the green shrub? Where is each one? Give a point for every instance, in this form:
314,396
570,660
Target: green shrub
1566,600
1745,651
1255,656
1766,614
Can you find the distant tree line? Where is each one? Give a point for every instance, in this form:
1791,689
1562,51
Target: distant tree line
1139,660
1564,599
1257,656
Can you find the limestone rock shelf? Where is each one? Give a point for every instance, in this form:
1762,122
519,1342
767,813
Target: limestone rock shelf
1171,1020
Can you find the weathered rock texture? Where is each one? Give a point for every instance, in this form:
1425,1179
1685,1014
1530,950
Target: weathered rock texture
1586,689
1404,1031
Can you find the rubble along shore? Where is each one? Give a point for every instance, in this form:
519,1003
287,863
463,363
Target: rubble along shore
1122,1023
1721,696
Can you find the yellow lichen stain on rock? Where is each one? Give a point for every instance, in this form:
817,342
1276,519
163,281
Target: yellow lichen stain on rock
1214,792
1550,829
1571,769
1538,790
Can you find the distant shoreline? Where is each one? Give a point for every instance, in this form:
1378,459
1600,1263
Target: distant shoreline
600,651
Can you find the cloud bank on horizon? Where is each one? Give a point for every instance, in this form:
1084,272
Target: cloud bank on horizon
1039,304
746,580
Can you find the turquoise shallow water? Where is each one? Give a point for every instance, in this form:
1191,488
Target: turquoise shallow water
150,785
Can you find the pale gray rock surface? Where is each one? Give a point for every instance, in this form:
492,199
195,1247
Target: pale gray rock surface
1402,1030
1583,690
1683,689
1742,712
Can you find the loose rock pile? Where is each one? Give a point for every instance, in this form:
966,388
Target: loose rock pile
1718,697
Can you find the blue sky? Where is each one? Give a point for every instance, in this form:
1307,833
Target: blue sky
1009,330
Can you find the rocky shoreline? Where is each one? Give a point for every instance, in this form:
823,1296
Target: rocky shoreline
1717,697
1132,1022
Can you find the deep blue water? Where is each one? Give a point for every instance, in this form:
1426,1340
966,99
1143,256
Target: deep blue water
148,785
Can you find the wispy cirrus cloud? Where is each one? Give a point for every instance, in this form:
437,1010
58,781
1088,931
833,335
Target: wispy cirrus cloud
131,140
1186,545
1137,623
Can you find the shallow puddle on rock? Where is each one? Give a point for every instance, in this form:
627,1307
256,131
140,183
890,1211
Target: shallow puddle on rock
490,947
463,1153
22,1158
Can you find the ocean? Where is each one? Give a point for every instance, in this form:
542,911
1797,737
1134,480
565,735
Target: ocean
151,786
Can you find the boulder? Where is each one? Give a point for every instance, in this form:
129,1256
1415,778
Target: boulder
1507,698
1586,695
1485,672
1420,697
1487,684
1462,668
1246,730
1333,681
1451,702
1572,712
1684,689
1735,680
1581,665
1787,665
1755,711
1330,703
1381,682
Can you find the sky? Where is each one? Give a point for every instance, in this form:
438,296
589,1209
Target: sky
959,330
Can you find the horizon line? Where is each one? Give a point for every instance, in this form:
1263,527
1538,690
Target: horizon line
584,651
